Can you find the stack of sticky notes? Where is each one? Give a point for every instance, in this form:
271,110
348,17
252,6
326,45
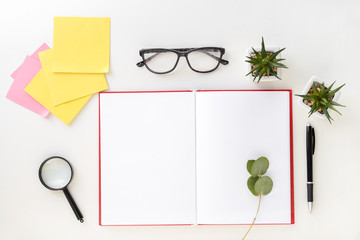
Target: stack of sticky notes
61,80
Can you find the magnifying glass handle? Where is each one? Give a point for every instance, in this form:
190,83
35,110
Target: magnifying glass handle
73,205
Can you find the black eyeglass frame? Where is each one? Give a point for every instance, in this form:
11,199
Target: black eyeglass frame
181,52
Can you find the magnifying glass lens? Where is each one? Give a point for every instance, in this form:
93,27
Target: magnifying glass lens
56,173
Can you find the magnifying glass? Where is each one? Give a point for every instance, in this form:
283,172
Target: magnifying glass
55,173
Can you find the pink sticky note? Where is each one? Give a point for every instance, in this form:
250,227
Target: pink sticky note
35,55
40,49
17,70
23,77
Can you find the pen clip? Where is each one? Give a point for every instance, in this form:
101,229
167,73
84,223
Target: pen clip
313,140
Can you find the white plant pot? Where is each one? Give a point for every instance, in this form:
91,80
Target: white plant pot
265,78
306,90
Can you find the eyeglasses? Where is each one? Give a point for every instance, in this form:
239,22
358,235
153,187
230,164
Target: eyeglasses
201,60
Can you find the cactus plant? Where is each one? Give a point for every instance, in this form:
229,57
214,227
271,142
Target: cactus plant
320,99
264,63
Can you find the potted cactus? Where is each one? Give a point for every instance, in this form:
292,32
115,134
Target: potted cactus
319,99
264,63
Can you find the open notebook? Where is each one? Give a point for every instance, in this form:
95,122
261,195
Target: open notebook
173,158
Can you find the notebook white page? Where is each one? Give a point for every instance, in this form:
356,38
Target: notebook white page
231,128
147,158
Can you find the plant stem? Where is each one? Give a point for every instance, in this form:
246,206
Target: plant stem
252,224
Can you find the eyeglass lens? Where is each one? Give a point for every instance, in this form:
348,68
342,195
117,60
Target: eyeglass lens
204,60
161,61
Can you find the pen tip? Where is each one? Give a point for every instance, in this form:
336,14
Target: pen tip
310,204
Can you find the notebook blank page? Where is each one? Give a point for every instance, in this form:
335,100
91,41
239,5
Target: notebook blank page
231,128
147,158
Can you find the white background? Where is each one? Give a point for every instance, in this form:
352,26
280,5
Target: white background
321,38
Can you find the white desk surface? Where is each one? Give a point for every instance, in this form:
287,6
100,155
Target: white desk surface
321,38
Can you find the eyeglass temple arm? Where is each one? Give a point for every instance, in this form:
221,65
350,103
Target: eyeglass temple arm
142,63
222,61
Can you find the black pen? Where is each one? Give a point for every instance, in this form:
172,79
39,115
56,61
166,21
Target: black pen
310,149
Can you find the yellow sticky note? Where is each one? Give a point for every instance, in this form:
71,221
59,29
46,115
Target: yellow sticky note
81,44
39,90
65,87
